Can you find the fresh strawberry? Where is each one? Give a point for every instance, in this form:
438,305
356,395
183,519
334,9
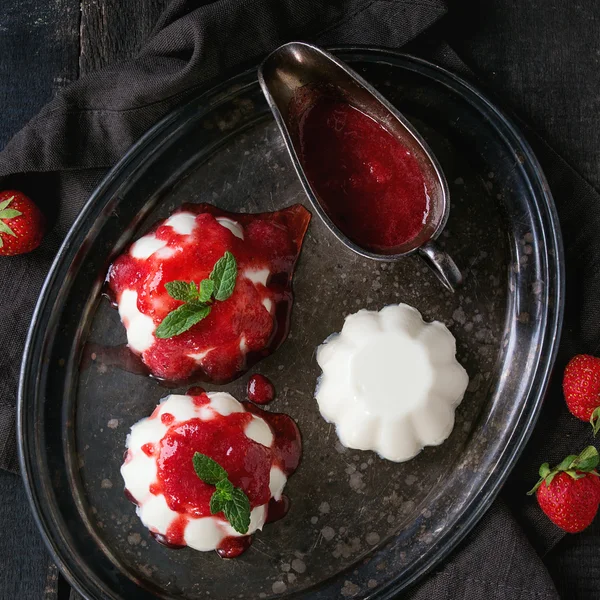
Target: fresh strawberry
22,224
569,494
581,386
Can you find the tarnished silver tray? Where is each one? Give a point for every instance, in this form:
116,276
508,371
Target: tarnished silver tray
359,526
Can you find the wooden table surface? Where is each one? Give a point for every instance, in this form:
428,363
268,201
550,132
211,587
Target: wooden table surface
55,42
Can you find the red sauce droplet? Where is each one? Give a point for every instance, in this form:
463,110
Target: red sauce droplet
238,331
277,509
167,418
260,389
155,488
148,449
196,391
199,399
231,547
370,185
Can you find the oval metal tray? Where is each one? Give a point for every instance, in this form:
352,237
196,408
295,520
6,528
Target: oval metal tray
359,526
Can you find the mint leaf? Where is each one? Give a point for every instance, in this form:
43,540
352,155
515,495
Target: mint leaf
225,489
181,319
237,511
207,469
231,500
207,287
222,495
223,275
186,291
217,503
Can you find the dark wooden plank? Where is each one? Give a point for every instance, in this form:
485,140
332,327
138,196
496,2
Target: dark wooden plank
112,30
39,53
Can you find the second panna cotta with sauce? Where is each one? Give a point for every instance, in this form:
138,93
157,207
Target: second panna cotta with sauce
390,382
207,471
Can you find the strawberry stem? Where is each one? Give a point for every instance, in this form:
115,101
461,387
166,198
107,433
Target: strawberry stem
575,466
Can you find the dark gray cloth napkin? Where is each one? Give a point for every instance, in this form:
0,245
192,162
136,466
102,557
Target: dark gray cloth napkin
62,154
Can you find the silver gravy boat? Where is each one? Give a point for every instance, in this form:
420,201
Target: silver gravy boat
296,67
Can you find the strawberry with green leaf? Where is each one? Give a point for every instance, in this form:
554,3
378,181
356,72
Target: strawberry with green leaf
22,224
569,494
581,386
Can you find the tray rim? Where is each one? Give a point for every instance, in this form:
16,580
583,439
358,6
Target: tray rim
481,501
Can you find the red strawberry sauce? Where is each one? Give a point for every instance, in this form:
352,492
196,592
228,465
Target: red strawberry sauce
247,463
238,331
370,185
260,389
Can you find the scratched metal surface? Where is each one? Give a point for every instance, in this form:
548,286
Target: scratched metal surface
356,521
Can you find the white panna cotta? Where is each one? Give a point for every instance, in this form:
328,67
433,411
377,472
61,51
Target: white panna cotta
390,382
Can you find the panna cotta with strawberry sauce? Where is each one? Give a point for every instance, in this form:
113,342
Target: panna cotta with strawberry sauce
390,382
256,452
206,293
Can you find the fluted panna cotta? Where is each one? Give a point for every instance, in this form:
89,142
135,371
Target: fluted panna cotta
259,450
390,382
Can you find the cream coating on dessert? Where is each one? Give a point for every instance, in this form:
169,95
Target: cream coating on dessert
390,382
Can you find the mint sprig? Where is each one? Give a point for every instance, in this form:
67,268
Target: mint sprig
219,286
226,498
